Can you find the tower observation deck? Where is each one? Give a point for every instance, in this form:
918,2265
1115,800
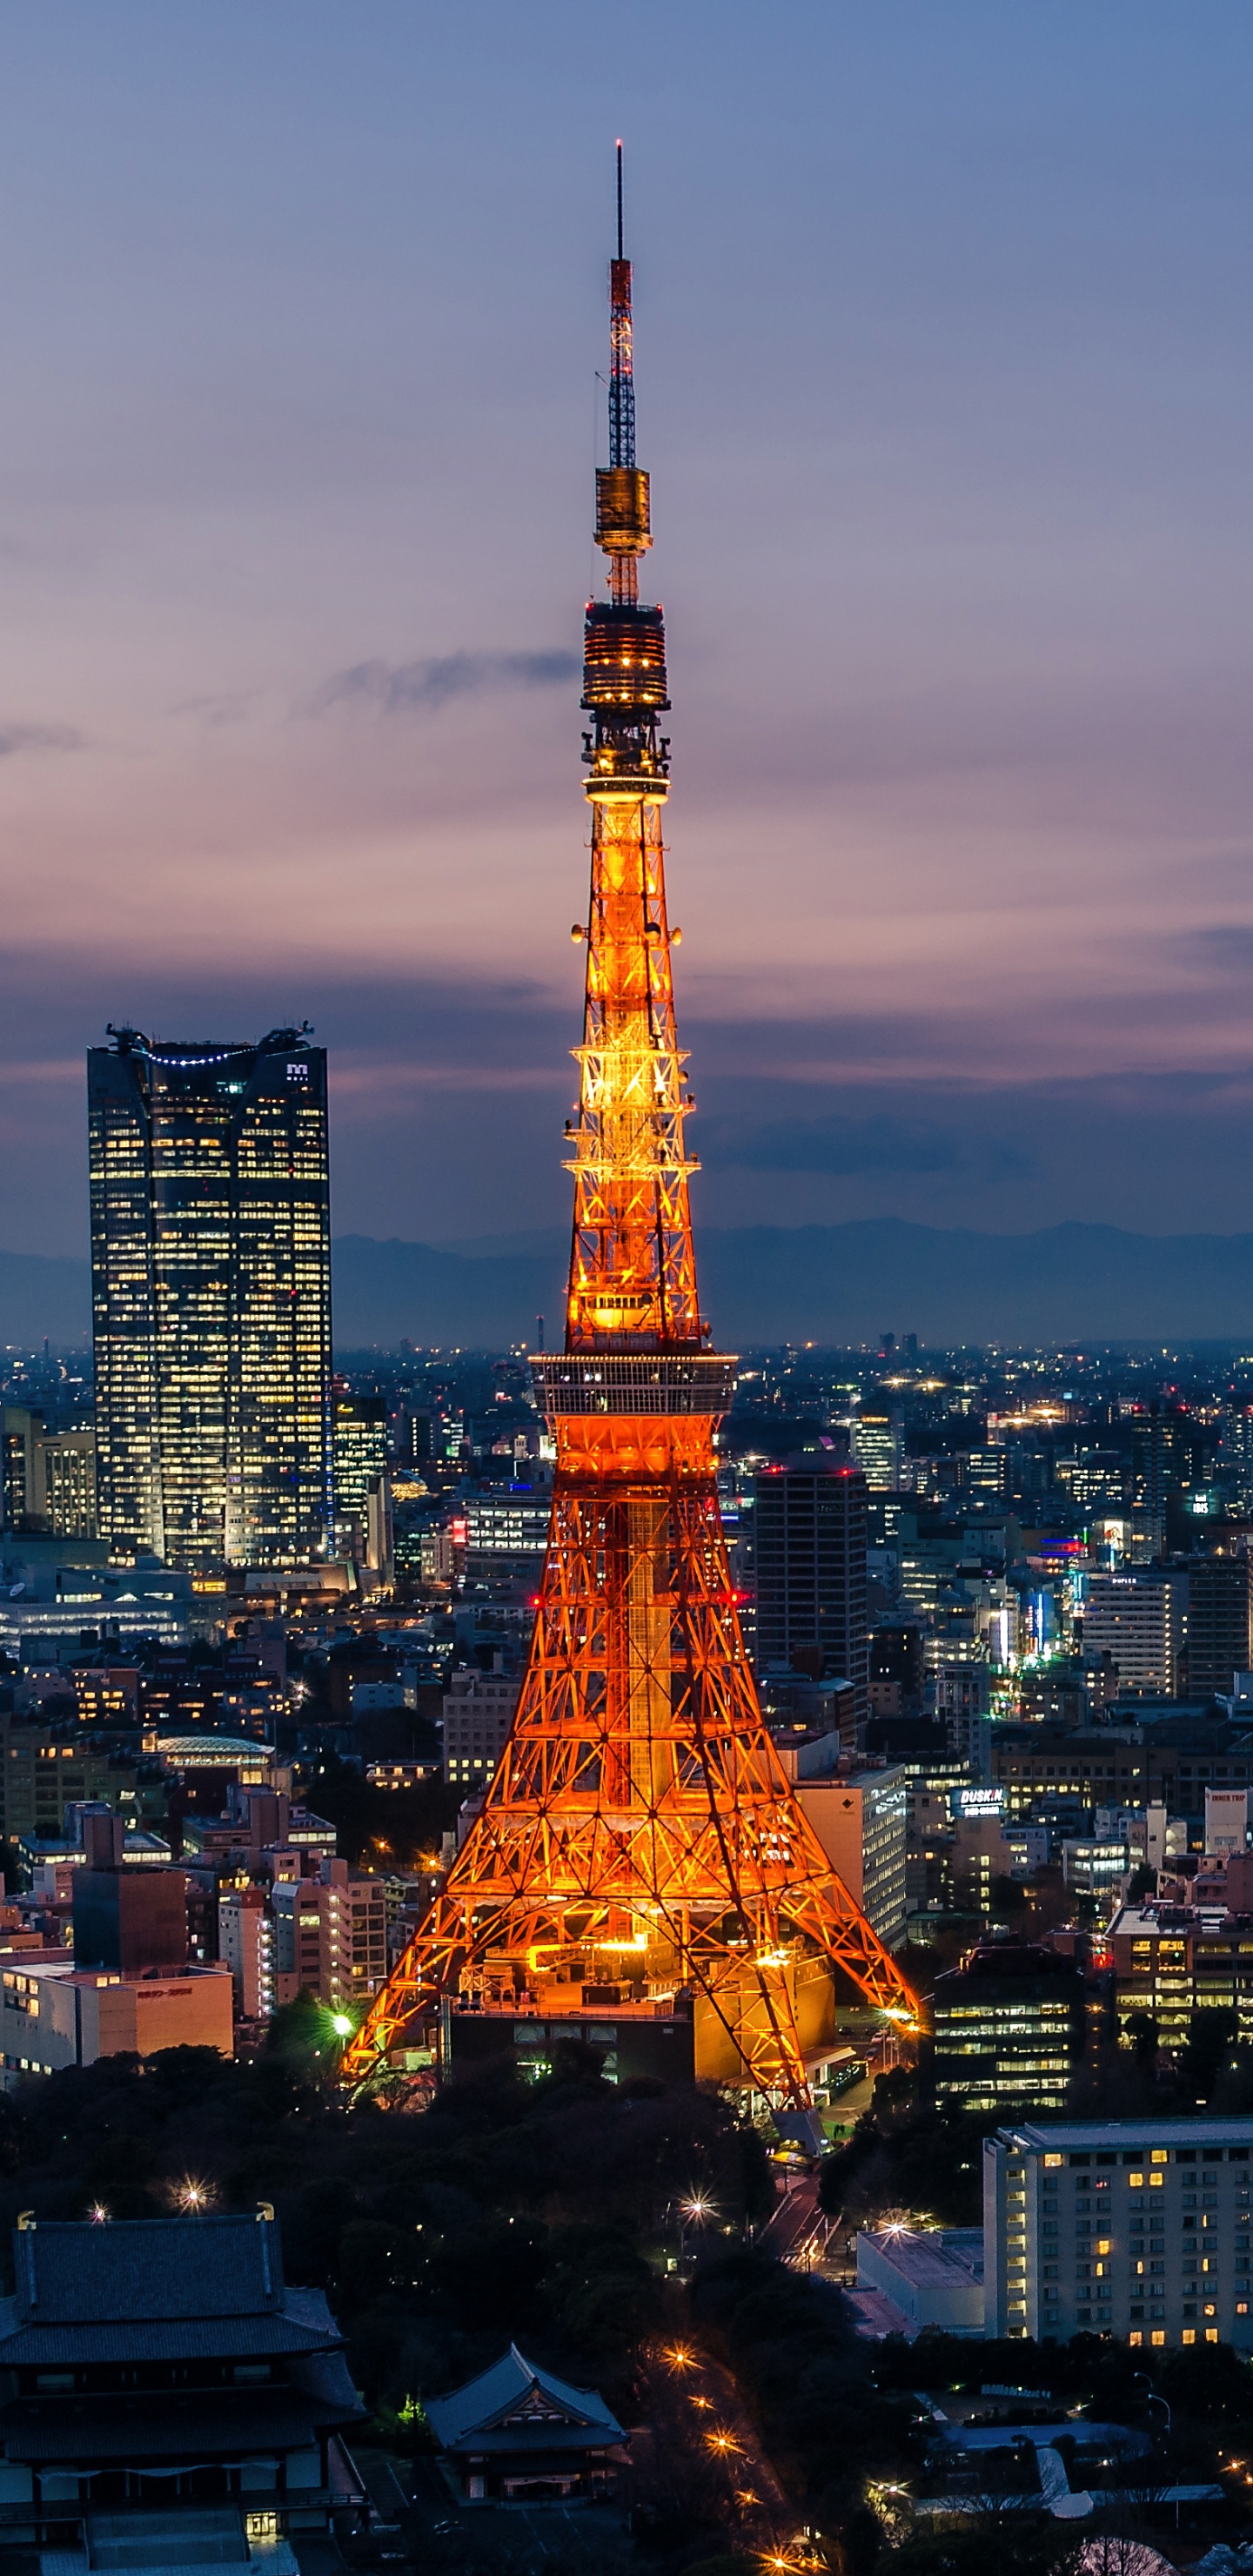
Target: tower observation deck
640,1871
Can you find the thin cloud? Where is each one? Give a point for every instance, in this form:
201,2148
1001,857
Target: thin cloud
228,708
1224,948
37,737
843,1146
422,688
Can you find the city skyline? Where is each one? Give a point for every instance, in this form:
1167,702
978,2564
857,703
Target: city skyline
946,332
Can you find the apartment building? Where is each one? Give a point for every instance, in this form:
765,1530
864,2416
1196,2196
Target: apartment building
1139,2230
1174,1961
246,1947
478,1713
330,1935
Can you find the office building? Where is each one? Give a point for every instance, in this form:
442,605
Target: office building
810,1545
506,1534
877,1448
47,1478
380,1529
1226,1822
52,1608
1010,2028
478,1713
360,1451
42,1773
1095,1865
1135,1620
861,1819
1168,1454
211,1299
234,2442
895,1668
55,2014
65,1483
1220,1621
1140,2230
20,1428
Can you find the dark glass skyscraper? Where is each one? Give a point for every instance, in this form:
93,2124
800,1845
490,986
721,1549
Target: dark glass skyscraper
810,1550
211,1299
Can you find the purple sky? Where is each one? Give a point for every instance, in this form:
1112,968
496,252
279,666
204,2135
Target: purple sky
945,382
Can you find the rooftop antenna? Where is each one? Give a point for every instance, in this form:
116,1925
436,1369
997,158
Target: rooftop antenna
619,197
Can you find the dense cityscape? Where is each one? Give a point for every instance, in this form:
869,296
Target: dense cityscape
615,1954
998,1606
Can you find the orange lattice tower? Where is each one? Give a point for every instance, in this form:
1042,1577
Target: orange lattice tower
639,1855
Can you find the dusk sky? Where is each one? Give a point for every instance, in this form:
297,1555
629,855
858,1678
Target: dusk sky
945,380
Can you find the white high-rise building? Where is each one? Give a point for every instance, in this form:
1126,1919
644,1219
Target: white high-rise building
1137,1620
1137,2229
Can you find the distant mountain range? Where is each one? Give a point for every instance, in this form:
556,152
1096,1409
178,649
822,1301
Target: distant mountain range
819,1283
830,1283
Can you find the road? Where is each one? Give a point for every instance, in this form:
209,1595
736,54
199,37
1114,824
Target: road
797,2230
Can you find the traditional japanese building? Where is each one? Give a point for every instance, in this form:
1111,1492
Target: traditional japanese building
517,2435
165,2399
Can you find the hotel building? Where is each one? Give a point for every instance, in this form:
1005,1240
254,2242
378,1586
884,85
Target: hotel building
1140,2230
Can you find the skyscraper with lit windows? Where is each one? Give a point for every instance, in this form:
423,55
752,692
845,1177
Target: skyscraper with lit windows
211,1299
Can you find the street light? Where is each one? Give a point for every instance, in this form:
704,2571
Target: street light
1154,2397
693,2210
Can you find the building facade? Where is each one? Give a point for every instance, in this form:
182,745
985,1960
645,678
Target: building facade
211,1299
1139,2230
861,1819
1220,1619
1135,1619
330,1935
877,1448
246,1947
47,1478
478,1713
360,1451
1010,2028
810,1547
1173,1963
42,1772
54,2014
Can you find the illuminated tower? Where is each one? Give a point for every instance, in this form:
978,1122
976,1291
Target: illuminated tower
639,1860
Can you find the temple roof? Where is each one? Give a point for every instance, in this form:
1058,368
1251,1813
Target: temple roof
517,2405
72,2271
156,2290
